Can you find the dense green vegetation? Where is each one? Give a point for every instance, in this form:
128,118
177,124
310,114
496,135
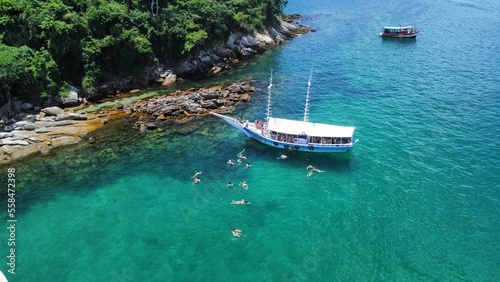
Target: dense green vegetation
46,43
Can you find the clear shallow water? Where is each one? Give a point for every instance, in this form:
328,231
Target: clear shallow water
416,200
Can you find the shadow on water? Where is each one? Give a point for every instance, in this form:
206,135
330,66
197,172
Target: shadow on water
398,41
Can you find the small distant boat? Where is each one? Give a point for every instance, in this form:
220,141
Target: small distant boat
400,31
294,134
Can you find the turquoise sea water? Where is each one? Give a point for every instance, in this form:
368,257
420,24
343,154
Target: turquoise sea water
418,199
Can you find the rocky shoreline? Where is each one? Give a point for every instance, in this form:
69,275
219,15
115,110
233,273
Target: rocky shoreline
54,127
28,131
239,46
39,134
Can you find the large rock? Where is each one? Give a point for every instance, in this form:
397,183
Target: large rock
26,106
71,117
72,100
169,80
13,141
6,134
210,94
16,105
53,111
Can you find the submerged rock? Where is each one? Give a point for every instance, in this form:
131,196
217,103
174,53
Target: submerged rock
71,117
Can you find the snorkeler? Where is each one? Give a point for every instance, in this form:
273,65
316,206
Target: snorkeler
244,185
282,157
196,180
236,232
317,170
241,156
196,173
242,202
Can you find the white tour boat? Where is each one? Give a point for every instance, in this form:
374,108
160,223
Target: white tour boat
295,134
400,31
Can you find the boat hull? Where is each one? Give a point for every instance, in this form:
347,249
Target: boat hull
398,35
313,148
249,131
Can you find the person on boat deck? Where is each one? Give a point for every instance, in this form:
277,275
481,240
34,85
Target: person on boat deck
236,232
258,124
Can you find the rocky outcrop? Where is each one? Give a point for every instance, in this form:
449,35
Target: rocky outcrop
190,102
53,111
39,135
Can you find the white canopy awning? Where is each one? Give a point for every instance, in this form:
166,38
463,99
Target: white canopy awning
309,128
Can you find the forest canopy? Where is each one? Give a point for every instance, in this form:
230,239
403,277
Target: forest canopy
46,44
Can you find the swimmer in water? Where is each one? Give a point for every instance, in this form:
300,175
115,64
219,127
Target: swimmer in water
230,185
242,202
241,156
236,232
196,180
244,185
282,157
196,173
230,162
317,170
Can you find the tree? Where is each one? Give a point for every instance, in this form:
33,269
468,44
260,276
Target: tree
89,42
28,74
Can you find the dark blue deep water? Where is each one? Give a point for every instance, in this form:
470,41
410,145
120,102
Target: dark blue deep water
418,199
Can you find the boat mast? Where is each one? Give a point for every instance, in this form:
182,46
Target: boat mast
306,111
268,115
